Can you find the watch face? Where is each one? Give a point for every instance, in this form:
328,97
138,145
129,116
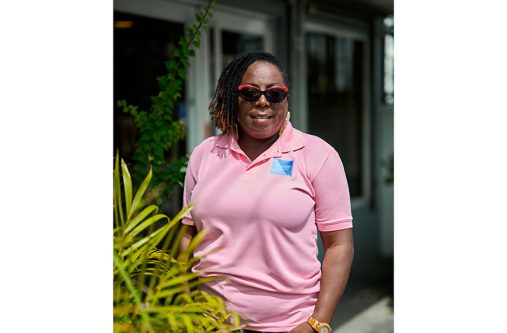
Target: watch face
324,330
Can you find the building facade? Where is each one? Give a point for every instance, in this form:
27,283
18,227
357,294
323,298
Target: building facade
339,58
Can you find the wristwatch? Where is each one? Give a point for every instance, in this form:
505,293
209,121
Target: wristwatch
318,326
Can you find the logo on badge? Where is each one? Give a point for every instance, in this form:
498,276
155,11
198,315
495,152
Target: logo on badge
282,167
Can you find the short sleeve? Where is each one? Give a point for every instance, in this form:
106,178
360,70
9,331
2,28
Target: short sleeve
332,198
190,181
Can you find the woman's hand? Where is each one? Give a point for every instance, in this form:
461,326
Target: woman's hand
302,328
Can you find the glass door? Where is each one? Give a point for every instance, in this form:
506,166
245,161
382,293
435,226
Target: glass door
337,87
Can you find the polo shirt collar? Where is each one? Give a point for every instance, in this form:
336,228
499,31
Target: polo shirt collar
291,139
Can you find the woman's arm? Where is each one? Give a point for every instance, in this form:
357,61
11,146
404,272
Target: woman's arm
189,234
339,251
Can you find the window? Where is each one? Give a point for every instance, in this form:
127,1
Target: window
141,45
234,44
388,71
336,97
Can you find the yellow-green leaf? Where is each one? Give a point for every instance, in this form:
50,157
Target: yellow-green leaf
117,202
140,193
134,224
127,185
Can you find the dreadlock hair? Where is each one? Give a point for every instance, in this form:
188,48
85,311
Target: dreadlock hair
224,105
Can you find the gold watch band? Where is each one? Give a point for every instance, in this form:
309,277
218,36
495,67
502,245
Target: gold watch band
319,327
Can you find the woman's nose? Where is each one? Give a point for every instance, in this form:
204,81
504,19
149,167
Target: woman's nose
262,101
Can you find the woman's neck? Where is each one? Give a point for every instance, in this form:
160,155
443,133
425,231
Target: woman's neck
253,147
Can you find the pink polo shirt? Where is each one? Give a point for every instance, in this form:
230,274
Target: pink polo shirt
261,219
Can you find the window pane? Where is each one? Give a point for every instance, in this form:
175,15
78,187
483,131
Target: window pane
141,45
389,60
234,44
335,87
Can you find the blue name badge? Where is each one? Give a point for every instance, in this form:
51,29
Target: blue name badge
282,167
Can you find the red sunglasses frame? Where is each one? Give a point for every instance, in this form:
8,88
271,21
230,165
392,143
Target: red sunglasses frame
263,92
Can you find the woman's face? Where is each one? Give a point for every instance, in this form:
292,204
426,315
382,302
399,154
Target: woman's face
261,119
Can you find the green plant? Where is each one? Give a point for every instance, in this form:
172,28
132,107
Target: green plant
154,288
158,131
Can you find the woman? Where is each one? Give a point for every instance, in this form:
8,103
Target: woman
262,190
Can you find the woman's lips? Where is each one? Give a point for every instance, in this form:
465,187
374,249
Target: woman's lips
261,116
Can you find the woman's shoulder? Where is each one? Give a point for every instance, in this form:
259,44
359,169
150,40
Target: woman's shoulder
210,144
316,154
315,144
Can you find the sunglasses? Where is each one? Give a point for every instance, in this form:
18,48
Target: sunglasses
251,94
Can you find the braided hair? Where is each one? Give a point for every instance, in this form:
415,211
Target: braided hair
224,105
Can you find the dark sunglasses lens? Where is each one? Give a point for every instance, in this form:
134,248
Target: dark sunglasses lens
275,95
249,94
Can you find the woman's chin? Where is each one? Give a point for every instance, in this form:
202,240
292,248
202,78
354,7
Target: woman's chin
263,135
261,129
262,122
